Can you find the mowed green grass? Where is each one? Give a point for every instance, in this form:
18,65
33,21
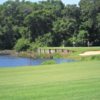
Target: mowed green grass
70,81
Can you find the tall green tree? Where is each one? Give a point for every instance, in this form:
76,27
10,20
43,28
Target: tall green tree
89,12
63,30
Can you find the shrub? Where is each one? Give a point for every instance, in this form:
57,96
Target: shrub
57,55
49,62
42,41
22,45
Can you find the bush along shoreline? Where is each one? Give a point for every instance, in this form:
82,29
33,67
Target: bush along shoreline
15,53
8,52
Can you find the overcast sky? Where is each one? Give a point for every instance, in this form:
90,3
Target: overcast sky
64,1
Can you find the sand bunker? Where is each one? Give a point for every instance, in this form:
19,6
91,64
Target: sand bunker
89,53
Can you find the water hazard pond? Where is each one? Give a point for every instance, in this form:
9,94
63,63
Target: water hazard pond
12,61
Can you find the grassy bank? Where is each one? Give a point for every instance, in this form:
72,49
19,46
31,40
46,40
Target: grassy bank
74,53
72,81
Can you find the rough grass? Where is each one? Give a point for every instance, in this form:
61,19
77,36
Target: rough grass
72,81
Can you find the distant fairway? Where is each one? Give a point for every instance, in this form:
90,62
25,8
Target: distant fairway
71,81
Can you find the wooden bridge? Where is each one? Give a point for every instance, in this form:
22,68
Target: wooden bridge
52,50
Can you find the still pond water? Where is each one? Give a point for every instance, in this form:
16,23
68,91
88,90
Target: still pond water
12,61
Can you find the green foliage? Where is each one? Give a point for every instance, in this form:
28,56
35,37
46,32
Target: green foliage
49,23
49,62
57,55
63,30
82,38
89,16
42,41
22,45
39,23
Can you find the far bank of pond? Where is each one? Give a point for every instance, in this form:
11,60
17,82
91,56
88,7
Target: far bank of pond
40,53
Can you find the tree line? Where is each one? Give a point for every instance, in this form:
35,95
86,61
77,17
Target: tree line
25,25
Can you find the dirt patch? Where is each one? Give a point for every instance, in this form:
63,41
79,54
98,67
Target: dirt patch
89,53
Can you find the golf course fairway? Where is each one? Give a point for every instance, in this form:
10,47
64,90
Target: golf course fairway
69,81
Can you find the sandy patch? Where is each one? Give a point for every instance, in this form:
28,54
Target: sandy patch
89,53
